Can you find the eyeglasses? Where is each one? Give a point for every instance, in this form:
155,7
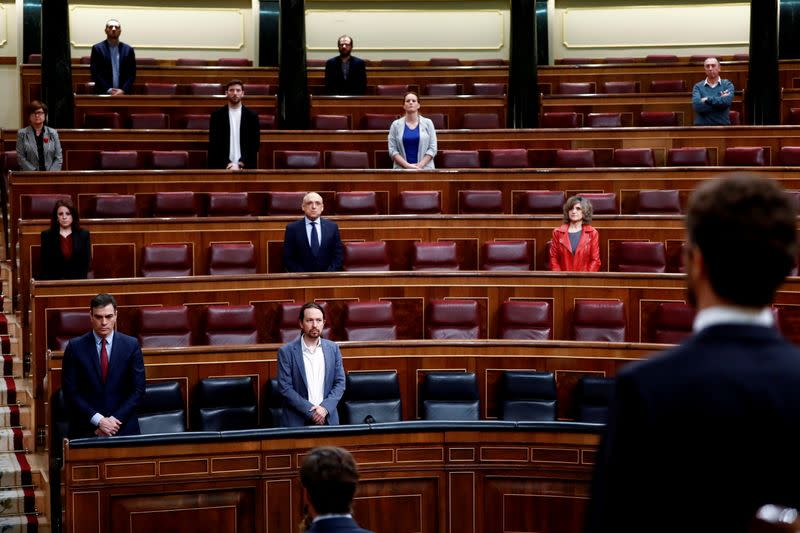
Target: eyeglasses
40,112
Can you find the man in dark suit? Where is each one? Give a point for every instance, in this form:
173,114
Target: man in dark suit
103,376
310,373
233,148
345,74
330,476
113,63
702,435
312,244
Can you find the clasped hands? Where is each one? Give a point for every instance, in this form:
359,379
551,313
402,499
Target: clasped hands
108,427
318,415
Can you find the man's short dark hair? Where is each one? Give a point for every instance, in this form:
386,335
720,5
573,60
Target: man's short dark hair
102,300
240,83
310,305
745,227
329,475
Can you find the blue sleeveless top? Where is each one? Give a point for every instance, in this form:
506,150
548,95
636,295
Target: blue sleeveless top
411,143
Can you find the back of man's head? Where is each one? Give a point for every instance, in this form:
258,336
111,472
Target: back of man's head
745,227
329,475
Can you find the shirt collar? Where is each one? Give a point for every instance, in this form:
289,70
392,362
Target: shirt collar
310,349
109,337
730,314
309,221
331,515
719,80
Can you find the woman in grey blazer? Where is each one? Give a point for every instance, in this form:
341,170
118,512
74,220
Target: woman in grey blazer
412,133
38,147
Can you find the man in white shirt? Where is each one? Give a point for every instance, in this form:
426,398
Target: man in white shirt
233,132
310,373
712,423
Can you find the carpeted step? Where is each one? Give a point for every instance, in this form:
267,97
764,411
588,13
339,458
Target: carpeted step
19,501
16,440
20,524
15,471
11,366
3,323
11,392
15,416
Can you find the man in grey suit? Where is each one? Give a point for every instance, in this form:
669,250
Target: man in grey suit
310,374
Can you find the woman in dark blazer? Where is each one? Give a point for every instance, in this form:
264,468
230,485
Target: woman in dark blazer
38,147
66,251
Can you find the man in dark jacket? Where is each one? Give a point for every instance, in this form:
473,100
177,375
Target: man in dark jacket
233,133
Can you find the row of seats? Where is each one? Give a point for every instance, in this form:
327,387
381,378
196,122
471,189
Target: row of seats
154,121
36,59
620,87
645,119
229,403
593,321
650,58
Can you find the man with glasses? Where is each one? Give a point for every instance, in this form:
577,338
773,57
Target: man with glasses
113,63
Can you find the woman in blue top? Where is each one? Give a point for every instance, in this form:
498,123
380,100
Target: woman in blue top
412,138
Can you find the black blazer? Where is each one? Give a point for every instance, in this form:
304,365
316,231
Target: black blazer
100,66
356,82
219,138
339,524
52,263
86,394
702,435
297,256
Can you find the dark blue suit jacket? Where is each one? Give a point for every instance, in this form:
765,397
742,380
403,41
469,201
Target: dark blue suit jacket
86,394
356,82
293,385
710,426
336,525
297,256
100,66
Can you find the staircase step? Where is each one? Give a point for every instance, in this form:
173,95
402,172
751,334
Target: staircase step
15,471
15,416
10,366
21,524
16,440
14,392
20,501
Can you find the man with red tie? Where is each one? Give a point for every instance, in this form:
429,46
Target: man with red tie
103,376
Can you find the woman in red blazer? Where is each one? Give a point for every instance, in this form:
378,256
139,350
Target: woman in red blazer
576,245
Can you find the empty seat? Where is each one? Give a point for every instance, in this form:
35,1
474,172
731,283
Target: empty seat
672,322
170,159
439,120
659,202
41,205
166,260
267,122
649,119
435,256
444,61
273,404
395,62
508,158
420,202
668,86
85,88
505,255
298,159
794,116
541,202
458,159
330,122
734,117
603,203
789,155
579,60
638,256
66,324
633,157
205,89
441,89
225,403
599,320
377,121
604,120
356,203
121,160
234,62
661,58
114,206
450,396
525,320
190,62
592,397
260,89
620,87
35,59
488,89
149,121
488,62
289,319
389,89
231,258
371,397
174,204
688,156
102,120
622,60
144,61
365,256
527,395
580,158
481,121
576,87
559,119
164,327
162,408
162,89
745,156
346,159
483,202
370,321
453,319
196,122
231,324
284,203
230,204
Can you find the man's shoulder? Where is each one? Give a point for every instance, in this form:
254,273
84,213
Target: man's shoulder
295,224
332,61
290,347
330,345
125,340
86,337
329,223
247,111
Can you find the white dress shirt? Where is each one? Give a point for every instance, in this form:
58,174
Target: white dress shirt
314,363
728,314
235,117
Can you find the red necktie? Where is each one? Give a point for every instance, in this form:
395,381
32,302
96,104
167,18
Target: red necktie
103,359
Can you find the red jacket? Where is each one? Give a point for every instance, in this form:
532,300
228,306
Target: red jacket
586,257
